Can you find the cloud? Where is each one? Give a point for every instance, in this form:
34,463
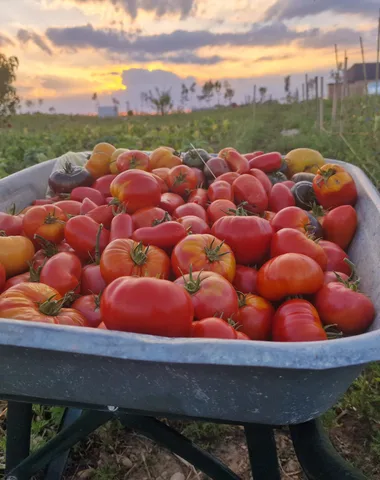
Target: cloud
52,82
271,58
182,58
160,7
115,41
341,36
288,9
26,36
5,41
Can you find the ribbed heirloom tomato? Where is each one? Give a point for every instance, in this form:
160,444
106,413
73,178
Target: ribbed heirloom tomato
333,186
147,305
203,252
255,317
48,221
289,274
211,294
129,258
37,302
297,321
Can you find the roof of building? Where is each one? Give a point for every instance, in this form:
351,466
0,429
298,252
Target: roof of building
356,74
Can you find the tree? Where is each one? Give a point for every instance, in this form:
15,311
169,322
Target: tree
208,92
229,93
337,75
311,85
29,104
52,110
263,92
218,89
161,101
184,95
288,93
192,91
94,98
40,102
8,96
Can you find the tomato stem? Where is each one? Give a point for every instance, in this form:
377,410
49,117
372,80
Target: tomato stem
50,249
139,255
34,273
165,218
213,253
192,285
180,178
333,332
51,307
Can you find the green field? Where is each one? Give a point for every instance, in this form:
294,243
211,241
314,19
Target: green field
354,424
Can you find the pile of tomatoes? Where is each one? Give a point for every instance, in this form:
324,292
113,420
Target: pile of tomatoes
249,247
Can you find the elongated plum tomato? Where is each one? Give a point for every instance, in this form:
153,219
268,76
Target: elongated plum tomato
129,258
69,207
203,252
89,307
289,274
194,225
80,193
37,302
15,253
147,305
103,184
235,161
136,189
248,236
339,225
86,206
170,201
121,227
333,186
280,197
351,311
165,236
297,321
229,177
263,179
268,162
198,196
213,328
211,294
335,257
249,189
181,180
149,217
81,233
289,240
103,215
48,221
220,190
219,209
62,272
245,280
255,317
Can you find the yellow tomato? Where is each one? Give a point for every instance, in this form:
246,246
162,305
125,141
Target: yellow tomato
304,160
15,253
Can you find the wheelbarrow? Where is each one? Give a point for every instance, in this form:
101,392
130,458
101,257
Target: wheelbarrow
99,375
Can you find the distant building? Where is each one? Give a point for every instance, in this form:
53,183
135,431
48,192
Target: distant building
104,112
356,82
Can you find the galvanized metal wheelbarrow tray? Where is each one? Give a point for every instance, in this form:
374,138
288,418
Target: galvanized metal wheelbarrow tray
244,382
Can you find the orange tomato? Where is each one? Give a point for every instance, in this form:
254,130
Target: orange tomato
47,221
333,186
15,253
164,157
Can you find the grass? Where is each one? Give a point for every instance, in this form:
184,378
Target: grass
36,138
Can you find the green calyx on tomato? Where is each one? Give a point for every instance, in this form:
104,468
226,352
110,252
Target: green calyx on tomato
34,273
326,174
50,249
318,210
3,234
139,254
353,281
179,179
192,285
240,211
51,218
50,307
165,218
213,253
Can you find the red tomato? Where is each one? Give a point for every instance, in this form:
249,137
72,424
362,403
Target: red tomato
69,207
267,162
10,224
249,237
37,302
103,184
339,225
43,201
263,179
245,280
219,209
128,258
89,307
162,172
136,189
182,180
280,197
190,209
170,201
335,257
163,185
248,188
165,236
220,190
241,336
251,155
121,226
48,250
211,294
213,328
86,206
3,277
194,225
92,281
351,311
289,274
80,193
297,321
331,277
155,307
203,252
198,196
333,186
47,221
33,275
149,217
289,240
62,272
235,161
103,214
294,217
229,177
81,234
201,177
255,317
133,159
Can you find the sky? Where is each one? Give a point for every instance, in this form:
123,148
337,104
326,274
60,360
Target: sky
69,49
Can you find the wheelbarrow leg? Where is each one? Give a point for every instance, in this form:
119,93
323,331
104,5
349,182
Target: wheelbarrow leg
57,467
317,456
262,452
87,423
19,421
178,444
